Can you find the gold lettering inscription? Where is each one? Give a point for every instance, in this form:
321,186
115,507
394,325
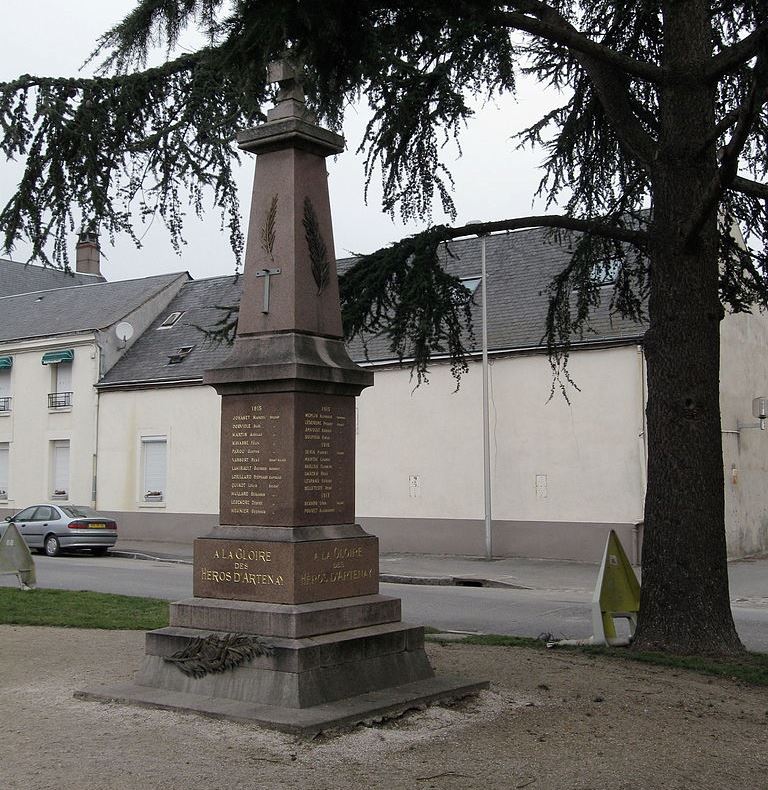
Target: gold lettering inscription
242,553
335,576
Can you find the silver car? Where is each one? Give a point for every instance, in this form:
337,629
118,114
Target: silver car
53,528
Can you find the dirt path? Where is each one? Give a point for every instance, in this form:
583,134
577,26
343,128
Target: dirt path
551,720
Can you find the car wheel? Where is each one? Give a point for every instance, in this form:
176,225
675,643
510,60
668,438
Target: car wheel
100,551
52,546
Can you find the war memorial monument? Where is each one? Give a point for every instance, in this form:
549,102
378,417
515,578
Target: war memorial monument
287,627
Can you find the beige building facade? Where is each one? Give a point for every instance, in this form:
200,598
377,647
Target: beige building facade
141,433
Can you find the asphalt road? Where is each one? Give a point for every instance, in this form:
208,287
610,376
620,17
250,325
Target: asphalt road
470,609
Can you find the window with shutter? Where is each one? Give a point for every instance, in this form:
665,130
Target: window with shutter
64,377
154,467
60,469
61,385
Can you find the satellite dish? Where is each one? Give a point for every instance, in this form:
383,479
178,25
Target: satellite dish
124,331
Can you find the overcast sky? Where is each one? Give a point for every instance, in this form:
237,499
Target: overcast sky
493,179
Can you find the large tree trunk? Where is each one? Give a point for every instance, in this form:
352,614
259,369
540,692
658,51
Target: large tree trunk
685,605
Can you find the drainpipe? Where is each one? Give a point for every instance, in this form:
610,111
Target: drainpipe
96,356
637,528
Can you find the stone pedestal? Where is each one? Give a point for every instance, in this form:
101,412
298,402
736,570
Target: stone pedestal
288,577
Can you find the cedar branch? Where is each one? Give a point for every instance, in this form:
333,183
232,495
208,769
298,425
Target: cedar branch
735,56
749,187
638,238
531,19
729,156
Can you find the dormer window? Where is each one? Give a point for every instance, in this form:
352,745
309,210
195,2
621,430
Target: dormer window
605,273
171,320
180,355
471,283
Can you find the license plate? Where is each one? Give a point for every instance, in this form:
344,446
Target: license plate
97,526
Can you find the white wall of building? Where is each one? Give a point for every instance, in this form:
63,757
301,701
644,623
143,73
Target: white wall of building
189,418
744,376
586,455
563,472
30,427
561,469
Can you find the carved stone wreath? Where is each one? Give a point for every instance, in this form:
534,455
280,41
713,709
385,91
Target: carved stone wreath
218,653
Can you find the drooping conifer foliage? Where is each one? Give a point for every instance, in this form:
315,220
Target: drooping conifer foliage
656,155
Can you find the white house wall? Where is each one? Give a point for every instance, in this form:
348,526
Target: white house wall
30,426
563,473
419,458
189,418
744,376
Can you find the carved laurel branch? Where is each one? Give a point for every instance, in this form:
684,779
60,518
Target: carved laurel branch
318,253
268,231
214,653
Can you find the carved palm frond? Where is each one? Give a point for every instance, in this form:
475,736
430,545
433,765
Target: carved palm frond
318,252
214,653
268,231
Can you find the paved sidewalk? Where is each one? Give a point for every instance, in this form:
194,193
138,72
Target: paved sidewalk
749,577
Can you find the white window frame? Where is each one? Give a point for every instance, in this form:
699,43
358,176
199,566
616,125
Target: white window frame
153,480
58,483
171,319
58,379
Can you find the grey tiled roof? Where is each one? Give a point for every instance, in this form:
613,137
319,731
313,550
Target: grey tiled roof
198,300
519,267
19,278
79,308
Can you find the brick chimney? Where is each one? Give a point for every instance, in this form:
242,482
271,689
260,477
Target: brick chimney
88,253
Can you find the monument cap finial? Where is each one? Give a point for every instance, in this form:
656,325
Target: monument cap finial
290,102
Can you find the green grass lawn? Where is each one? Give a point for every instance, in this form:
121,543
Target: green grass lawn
81,609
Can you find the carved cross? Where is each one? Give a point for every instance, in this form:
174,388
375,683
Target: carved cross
288,77
266,274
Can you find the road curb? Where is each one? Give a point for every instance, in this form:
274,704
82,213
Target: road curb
140,555
385,578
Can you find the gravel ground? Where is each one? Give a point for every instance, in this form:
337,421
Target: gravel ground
550,720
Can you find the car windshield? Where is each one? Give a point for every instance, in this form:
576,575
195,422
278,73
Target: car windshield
79,511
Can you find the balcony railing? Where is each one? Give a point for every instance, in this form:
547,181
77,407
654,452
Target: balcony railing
5,404
59,400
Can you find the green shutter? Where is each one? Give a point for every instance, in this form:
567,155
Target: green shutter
53,357
6,362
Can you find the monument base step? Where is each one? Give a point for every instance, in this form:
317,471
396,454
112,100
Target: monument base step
292,621
296,673
374,706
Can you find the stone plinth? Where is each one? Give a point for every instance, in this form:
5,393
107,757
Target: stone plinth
299,673
330,664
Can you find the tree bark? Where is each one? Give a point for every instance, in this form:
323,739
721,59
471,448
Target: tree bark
685,605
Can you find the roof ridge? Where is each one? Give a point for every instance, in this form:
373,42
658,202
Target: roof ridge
92,285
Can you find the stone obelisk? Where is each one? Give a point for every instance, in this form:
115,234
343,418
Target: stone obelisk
288,576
